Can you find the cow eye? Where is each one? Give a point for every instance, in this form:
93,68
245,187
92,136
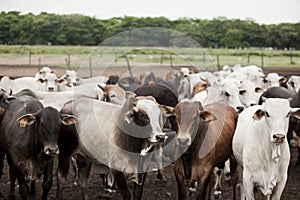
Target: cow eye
267,114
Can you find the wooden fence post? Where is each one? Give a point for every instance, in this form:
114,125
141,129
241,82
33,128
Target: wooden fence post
29,58
171,60
162,58
68,61
90,66
248,57
218,62
291,57
262,59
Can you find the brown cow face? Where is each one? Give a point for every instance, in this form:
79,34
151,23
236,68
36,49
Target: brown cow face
189,116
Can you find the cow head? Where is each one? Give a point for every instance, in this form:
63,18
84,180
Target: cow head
112,93
145,113
47,122
276,113
71,78
249,93
293,84
188,116
51,82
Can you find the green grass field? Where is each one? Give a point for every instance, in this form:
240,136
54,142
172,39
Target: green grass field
271,58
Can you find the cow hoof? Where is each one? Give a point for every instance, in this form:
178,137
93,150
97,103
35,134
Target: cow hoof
217,195
160,181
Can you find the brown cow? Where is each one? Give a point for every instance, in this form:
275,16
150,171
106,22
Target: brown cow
203,141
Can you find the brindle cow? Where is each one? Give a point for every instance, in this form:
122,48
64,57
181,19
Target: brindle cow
203,141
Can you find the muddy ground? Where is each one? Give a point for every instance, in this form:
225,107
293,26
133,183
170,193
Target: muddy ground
164,191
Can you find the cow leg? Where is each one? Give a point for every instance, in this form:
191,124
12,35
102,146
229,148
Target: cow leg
48,179
248,186
298,160
62,173
32,194
234,176
181,188
23,187
121,183
276,193
214,187
158,155
12,178
204,181
84,169
138,188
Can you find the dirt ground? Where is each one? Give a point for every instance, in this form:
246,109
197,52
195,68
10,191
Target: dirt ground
166,191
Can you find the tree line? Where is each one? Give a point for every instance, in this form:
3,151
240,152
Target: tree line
76,29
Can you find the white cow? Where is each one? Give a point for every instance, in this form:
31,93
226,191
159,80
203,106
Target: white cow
261,148
273,80
293,84
249,93
228,92
16,85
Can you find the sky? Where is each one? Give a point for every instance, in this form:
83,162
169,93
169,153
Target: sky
261,11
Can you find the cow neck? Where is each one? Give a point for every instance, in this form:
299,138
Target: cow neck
198,139
127,142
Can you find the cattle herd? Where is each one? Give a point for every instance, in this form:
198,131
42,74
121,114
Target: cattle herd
236,124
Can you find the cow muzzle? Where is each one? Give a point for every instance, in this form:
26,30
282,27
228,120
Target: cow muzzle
183,141
278,138
51,149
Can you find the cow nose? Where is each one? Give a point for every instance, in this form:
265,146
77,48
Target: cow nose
240,109
160,138
51,150
51,89
278,138
183,141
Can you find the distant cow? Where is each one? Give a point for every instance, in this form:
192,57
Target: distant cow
29,134
203,141
261,148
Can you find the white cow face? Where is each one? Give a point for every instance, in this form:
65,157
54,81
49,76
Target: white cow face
274,80
51,82
249,93
71,77
227,92
43,72
276,113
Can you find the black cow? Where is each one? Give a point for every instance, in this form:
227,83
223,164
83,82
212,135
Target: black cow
29,134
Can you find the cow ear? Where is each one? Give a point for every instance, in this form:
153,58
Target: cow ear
9,99
40,80
295,112
258,89
26,120
206,116
282,79
129,94
2,111
166,110
242,92
258,114
61,81
68,119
